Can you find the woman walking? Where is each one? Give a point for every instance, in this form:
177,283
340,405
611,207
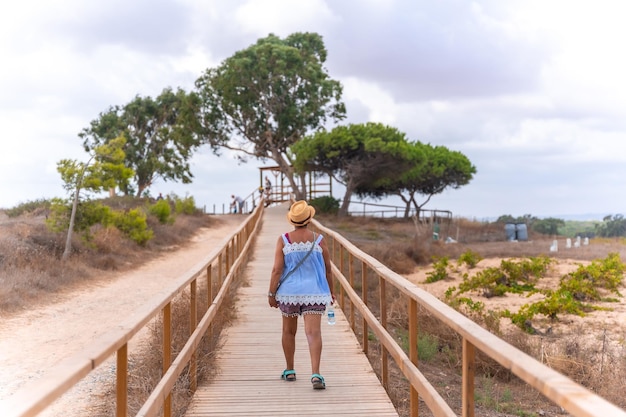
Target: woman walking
301,285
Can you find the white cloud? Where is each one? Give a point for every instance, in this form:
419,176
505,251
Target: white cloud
531,91
380,104
282,17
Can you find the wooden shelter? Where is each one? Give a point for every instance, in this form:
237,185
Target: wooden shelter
280,191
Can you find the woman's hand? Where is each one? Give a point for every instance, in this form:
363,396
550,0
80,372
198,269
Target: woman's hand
272,301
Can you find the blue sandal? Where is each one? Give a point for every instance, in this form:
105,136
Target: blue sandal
318,381
288,375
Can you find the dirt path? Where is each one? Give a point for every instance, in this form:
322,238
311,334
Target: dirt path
33,342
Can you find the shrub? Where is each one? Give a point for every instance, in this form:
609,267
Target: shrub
607,273
162,211
470,259
325,204
575,288
88,214
185,205
440,270
29,207
513,277
59,218
134,225
427,347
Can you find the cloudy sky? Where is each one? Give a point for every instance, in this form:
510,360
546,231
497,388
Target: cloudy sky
531,91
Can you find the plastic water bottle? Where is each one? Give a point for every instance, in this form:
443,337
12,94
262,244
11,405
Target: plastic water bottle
330,312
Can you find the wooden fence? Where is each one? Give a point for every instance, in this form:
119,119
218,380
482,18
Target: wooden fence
353,298
226,260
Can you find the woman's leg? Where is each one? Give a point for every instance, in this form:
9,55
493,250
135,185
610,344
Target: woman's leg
290,326
312,328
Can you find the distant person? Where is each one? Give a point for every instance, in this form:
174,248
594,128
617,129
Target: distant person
268,187
237,204
301,285
160,197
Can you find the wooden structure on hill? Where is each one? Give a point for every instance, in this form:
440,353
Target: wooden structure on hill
280,191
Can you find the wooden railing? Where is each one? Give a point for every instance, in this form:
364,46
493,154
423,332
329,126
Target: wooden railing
226,260
347,259
364,208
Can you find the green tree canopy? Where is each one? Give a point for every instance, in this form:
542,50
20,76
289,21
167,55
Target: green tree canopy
612,226
433,169
357,155
548,226
161,136
265,98
104,170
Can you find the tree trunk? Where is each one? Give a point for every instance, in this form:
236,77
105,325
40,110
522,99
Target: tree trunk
302,191
345,204
287,170
68,240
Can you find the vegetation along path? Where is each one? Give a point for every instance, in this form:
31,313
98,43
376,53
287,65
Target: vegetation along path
36,340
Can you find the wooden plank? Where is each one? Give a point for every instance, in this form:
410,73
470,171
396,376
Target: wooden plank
251,359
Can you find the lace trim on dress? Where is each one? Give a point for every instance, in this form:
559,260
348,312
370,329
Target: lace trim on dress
304,299
300,246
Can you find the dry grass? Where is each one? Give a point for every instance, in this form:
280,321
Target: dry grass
598,363
146,364
32,274
31,269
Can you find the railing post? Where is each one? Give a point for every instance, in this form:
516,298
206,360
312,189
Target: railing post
364,295
469,369
220,270
122,381
209,290
413,337
384,367
351,276
341,291
228,249
193,322
167,353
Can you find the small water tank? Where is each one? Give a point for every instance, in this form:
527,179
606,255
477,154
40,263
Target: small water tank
521,231
509,229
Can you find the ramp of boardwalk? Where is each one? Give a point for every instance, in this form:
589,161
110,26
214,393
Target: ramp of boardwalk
251,360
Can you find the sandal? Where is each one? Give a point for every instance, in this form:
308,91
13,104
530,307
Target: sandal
318,381
288,375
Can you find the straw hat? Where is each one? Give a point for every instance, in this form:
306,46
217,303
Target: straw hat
300,213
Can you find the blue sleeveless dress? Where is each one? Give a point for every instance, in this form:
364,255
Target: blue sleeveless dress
307,285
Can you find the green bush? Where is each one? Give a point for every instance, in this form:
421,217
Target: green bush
134,225
470,259
427,344
440,272
510,277
29,207
185,205
576,290
162,211
59,218
427,347
88,213
325,204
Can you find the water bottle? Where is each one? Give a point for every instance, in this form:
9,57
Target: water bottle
330,312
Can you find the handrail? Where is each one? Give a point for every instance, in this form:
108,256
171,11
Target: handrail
571,396
381,210
230,254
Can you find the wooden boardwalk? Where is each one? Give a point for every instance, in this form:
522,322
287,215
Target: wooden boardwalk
251,360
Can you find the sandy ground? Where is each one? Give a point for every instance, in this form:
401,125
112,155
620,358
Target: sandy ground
34,341
594,324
